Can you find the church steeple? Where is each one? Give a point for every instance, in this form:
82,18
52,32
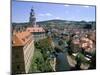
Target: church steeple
32,18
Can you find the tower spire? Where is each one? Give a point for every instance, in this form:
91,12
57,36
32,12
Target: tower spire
32,18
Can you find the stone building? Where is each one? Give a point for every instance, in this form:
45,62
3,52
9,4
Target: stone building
38,32
22,51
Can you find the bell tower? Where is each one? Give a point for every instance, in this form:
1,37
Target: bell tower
32,18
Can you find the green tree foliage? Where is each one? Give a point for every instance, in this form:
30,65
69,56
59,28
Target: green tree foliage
40,61
44,45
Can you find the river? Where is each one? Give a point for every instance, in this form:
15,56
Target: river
61,59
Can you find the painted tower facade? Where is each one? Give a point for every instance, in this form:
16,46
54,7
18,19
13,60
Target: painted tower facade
32,18
36,30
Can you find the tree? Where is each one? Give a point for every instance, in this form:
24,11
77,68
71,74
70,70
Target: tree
43,49
88,26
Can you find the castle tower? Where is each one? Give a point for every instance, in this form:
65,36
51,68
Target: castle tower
37,31
32,19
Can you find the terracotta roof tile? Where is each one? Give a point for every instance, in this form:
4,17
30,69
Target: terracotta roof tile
20,38
35,29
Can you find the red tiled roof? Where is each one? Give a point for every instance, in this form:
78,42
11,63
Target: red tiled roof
35,29
20,38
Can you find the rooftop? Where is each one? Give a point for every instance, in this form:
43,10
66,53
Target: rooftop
20,38
35,29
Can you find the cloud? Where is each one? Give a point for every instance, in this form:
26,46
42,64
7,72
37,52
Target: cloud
66,5
86,6
57,18
46,14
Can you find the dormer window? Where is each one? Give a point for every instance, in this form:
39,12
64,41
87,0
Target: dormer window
28,30
23,39
13,42
27,37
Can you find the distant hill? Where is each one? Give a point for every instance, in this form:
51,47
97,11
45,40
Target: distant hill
20,24
58,23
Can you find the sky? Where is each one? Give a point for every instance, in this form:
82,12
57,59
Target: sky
49,11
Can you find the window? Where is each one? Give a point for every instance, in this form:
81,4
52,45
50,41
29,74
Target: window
28,30
18,67
23,39
13,42
16,56
27,37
